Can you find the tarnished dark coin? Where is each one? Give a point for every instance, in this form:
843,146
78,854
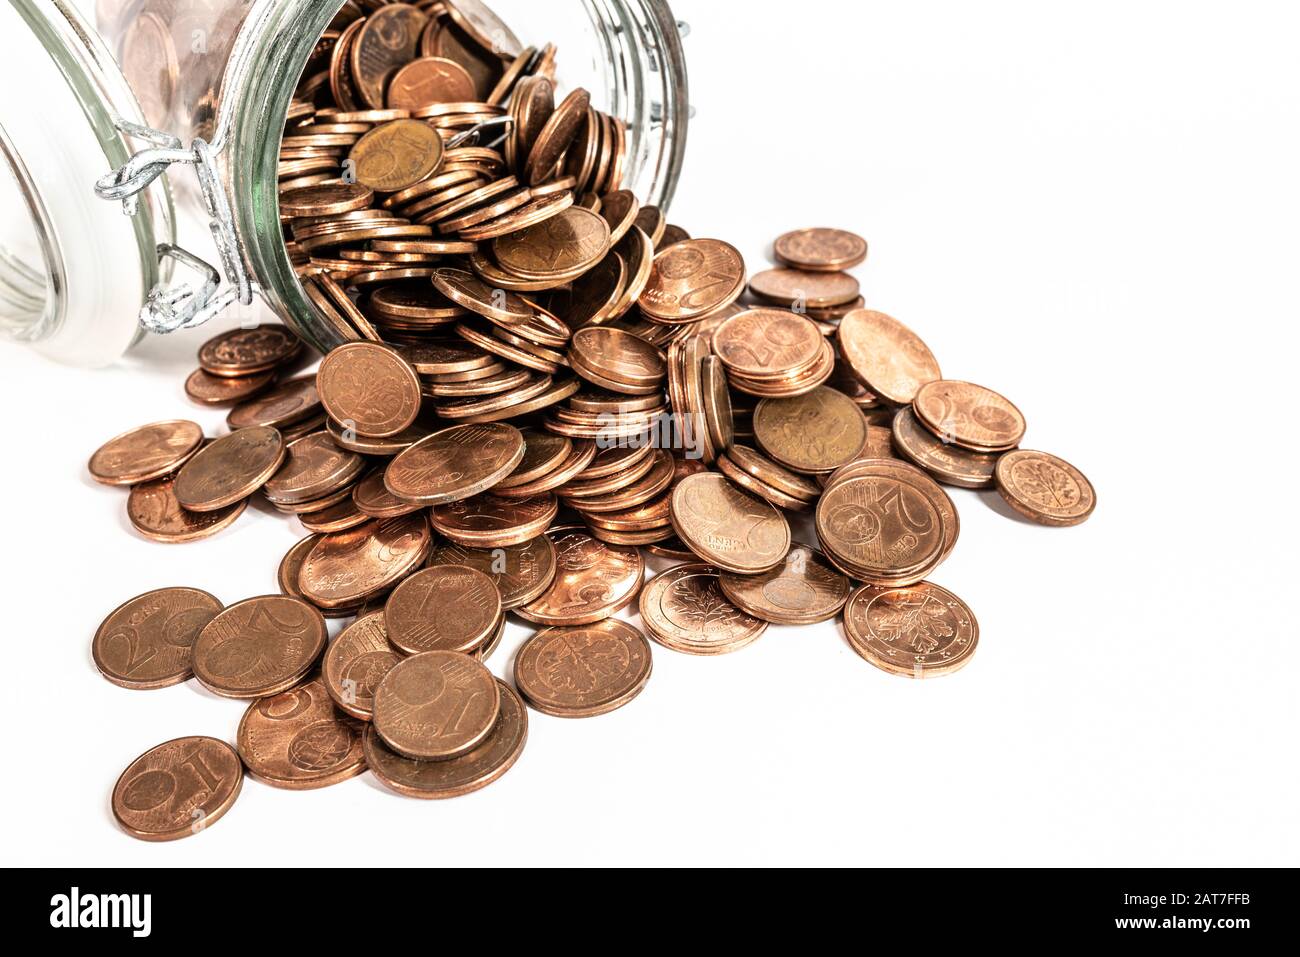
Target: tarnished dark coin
259,647
356,662
455,464
473,771
803,590
387,40
346,568
436,706
684,609
816,432
556,135
178,789
1045,489
918,632
370,388
229,470
299,741
443,608
146,453
821,250
146,643
583,671
949,464
521,572
969,415
242,352
155,513
593,581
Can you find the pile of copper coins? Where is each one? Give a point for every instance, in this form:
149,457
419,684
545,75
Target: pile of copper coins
542,382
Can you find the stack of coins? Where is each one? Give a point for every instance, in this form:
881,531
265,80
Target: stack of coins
541,379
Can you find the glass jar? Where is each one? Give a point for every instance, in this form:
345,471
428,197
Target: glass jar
219,76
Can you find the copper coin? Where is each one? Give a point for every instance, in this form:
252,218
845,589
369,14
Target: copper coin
299,741
797,289
938,498
444,608
889,358
314,467
919,632
467,290
345,568
485,27
340,516
429,80
691,279
208,389
756,487
617,360
1045,489
288,574
821,250
487,521
521,572
327,199
882,524
620,209
651,221
583,671
455,464
593,581
242,352
473,771
816,432
396,156
436,706
346,438
573,240
312,506
543,454
555,137
371,496
177,789
155,512
370,388
716,401
413,301
259,647
583,454
146,643
728,527
947,463
685,610
387,40
969,415
672,235
767,343
355,664
769,473
288,403
146,453
803,590
229,470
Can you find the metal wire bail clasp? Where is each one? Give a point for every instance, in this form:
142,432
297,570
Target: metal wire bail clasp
183,305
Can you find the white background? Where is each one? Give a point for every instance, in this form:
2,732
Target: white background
1092,208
